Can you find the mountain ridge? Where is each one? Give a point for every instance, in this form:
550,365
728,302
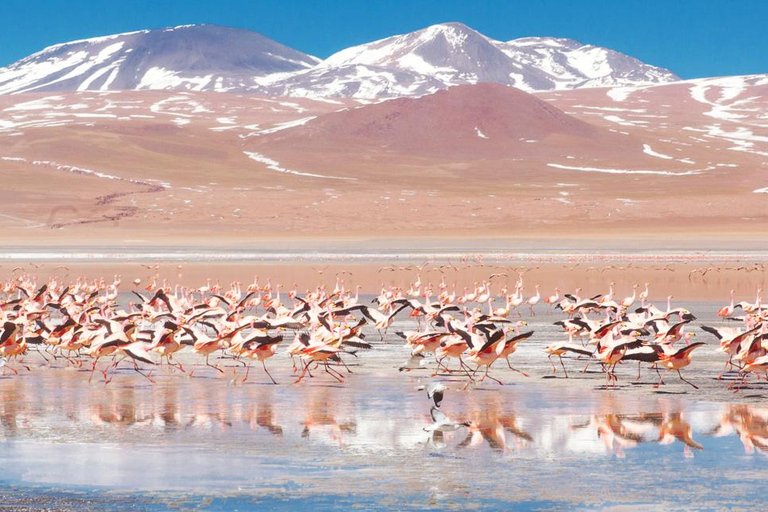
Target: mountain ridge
223,59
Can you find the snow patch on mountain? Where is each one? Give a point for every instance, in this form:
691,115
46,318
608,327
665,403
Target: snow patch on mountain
649,151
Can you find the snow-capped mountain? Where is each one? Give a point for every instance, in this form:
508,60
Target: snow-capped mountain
191,57
412,64
450,54
568,64
207,57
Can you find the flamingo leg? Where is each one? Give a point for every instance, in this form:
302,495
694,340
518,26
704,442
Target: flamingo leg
174,364
93,370
328,370
492,378
78,363
303,372
207,363
515,369
733,385
686,381
441,365
267,372
344,364
42,354
563,365
466,369
554,369
145,375
728,362
335,371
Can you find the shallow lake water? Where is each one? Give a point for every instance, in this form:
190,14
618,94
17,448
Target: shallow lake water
538,442
202,440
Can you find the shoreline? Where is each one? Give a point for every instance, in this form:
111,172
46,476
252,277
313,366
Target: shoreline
199,255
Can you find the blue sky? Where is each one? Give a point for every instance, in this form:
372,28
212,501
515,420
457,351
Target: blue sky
692,38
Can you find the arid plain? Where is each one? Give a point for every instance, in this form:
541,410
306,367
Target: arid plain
664,167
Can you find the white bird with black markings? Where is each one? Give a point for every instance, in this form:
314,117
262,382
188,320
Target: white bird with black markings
417,361
435,392
442,423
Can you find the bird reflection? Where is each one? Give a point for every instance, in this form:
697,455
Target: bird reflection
748,422
263,416
321,416
324,415
206,420
12,409
117,414
436,440
675,428
495,424
621,431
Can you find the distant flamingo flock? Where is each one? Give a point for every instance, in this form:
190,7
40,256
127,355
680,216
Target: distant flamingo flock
83,324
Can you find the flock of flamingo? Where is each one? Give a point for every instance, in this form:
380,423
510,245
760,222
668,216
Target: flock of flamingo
83,324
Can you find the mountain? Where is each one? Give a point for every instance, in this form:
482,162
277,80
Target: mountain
468,121
451,54
212,58
191,57
407,65
568,64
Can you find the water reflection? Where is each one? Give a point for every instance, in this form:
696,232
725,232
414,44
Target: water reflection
58,429
494,424
749,423
621,431
502,422
326,416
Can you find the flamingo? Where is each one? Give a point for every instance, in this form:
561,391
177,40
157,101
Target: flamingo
677,359
628,301
726,311
561,348
534,300
644,296
553,299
